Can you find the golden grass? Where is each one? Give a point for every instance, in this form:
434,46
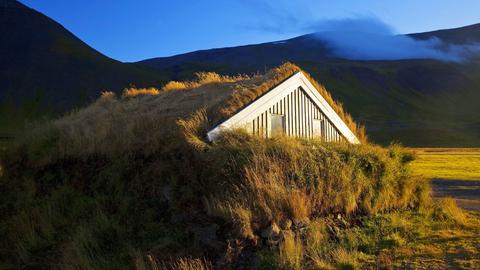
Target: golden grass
291,252
134,92
299,205
448,163
446,209
345,260
107,94
203,78
192,264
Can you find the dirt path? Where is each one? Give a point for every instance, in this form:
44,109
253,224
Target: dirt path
466,193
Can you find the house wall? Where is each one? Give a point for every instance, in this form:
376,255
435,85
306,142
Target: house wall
299,112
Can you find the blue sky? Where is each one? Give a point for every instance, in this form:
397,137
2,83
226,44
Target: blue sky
130,30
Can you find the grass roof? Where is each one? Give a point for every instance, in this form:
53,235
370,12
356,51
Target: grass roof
223,96
141,118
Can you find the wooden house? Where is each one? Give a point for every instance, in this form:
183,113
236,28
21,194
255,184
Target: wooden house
294,107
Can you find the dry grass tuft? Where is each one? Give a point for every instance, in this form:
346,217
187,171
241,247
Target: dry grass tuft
203,78
345,260
134,92
192,264
446,209
291,252
178,264
107,94
299,206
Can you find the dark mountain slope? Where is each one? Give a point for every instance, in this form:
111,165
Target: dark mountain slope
44,66
418,102
247,58
461,35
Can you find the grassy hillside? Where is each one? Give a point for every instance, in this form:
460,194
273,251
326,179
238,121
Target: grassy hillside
45,69
158,196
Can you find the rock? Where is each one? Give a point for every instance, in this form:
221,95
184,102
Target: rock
272,232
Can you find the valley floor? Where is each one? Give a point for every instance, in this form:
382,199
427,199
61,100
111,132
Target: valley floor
448,163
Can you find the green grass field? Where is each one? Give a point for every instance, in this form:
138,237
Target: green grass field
448,163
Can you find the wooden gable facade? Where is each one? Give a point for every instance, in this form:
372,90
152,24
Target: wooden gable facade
293,108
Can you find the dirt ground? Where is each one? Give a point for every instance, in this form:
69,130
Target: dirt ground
466,193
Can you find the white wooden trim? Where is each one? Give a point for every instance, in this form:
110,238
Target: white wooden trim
271,97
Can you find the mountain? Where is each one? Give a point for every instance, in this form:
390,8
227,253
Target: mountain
461,35
46,69
419,102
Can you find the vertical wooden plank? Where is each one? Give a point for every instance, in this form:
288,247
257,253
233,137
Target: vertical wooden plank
308,110
294,112
261,125
265,126
290,125
287,117
299,109
310,117
307,116
304,117
287,113
291,114
328,131
300,112
304,114
331,132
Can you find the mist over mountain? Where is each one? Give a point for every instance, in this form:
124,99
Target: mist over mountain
371,39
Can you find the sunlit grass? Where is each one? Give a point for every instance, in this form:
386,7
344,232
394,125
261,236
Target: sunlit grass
448,163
